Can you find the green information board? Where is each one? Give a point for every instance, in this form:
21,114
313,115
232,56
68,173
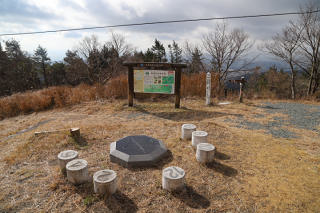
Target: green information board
154,81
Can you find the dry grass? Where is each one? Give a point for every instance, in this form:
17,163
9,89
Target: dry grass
252,172
61,96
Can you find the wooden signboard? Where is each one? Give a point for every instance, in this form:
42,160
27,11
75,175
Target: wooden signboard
153,77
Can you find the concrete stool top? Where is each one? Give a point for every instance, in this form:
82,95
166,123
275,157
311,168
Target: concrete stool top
199,133
104,176
76,164
206,147
189,126
68,154
173,172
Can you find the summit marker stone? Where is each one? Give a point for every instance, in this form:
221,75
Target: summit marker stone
137,151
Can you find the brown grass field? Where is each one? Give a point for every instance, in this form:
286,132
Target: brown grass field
61,96
252,171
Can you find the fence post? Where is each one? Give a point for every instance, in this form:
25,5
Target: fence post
130,86
208,89
241,89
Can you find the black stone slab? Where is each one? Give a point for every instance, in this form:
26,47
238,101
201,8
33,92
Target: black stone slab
137,150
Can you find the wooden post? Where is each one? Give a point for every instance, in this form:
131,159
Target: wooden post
177,87
241,88
75,133
130,86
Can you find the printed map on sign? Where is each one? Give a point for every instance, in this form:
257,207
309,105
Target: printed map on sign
154,81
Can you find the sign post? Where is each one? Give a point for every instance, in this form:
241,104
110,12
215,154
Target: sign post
208,89
242,81
156,78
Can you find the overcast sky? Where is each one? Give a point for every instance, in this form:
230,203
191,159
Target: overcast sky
37,15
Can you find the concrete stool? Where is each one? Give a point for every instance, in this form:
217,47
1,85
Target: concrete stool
77,171
205,152
199,137
66,156
186,131
173,178
105,182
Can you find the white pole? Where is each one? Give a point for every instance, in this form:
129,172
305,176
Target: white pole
208,89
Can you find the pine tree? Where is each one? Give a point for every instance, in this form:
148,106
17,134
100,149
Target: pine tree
41,57
175,53
159,51
149,56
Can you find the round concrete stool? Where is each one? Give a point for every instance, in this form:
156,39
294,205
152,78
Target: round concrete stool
105,182
199,137
186,131
205,152
77,171
66,156
173,178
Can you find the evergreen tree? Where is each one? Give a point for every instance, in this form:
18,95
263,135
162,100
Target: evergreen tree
196,60
175,53
42,59
159,51
149,56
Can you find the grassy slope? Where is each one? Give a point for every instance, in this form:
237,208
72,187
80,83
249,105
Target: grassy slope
253,172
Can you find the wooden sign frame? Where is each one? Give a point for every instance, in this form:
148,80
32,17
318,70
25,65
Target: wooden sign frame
153,66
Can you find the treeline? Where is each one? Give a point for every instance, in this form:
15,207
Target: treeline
275,84
92,62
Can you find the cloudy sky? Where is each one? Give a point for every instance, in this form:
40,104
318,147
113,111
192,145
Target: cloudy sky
33,15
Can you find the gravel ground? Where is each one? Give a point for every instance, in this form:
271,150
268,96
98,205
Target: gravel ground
300,116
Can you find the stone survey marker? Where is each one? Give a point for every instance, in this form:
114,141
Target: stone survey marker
105,182
138,150
77,171
186,131
65,157
173,178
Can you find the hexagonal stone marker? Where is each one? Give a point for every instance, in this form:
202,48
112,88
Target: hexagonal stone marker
137,150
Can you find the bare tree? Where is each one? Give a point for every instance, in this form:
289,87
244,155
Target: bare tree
120,50
285,46
310,44
226,48
88,45
119,44
103,61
